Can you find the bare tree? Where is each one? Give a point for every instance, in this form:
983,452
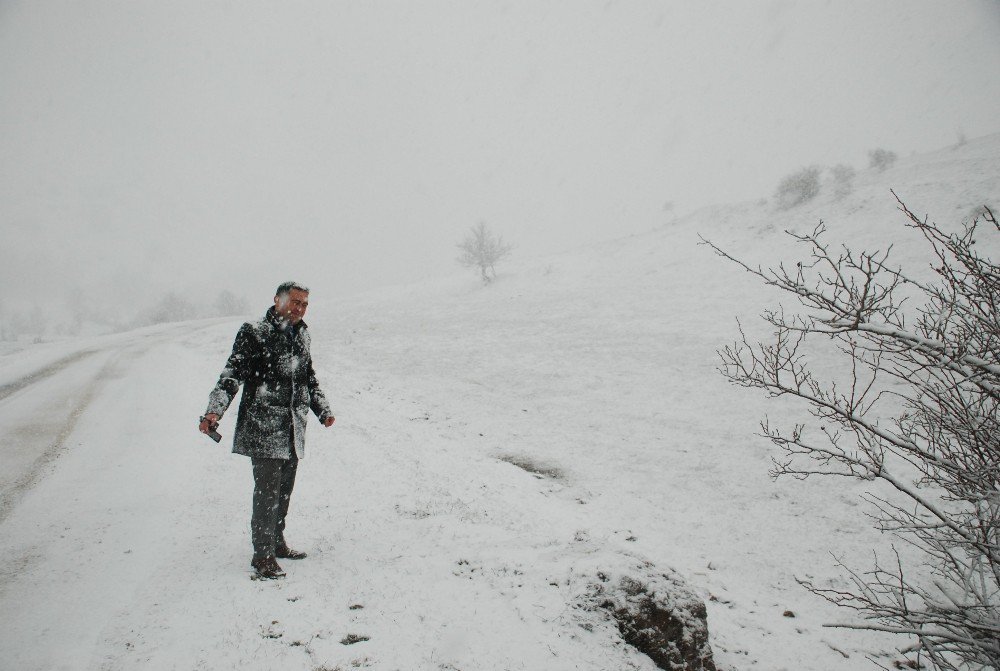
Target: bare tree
481,249
881,159
916,410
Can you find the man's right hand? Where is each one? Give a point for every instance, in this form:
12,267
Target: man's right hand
209,422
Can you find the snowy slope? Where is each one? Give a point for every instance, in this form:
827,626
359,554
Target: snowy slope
493,445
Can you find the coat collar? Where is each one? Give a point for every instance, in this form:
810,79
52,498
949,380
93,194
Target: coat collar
271,317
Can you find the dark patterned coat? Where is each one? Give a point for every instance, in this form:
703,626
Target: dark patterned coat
279,388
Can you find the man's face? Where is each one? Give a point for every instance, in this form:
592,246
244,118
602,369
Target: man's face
292,306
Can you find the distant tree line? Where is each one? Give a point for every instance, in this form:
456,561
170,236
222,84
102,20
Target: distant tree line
176,307
85,316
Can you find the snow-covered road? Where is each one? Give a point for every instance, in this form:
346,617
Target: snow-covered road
39,407
34,423
98,493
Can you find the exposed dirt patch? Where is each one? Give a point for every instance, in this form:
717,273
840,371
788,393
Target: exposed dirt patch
540,471
655,611
674,638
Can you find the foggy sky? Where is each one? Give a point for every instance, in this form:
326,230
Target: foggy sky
348,145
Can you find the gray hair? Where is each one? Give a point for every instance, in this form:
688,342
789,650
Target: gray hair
286,288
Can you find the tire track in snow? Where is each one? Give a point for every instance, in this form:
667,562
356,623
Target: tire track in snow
43,373
51,446
49,453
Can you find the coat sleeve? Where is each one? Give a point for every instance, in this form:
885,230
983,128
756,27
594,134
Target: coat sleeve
237,370
317,401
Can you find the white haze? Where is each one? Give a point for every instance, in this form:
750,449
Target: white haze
147,146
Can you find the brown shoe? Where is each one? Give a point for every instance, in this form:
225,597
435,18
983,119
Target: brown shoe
285,552
267,568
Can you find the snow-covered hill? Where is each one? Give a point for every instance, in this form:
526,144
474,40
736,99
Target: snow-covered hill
490,442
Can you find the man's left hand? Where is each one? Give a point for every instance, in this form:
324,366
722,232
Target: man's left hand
328,422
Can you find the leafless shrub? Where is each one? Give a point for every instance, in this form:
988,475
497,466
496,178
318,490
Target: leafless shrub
798,188
881,159
918,413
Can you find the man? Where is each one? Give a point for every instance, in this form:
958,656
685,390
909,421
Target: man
271,359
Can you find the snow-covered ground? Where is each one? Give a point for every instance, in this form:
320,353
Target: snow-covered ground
492,445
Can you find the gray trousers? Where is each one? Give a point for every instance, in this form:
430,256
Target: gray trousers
273,480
